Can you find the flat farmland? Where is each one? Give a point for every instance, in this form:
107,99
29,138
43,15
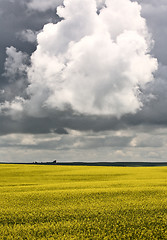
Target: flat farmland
82,202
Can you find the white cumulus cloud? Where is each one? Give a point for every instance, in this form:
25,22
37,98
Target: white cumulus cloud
15,64
94,63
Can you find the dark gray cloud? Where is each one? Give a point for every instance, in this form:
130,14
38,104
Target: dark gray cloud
61,131
14,18
155,14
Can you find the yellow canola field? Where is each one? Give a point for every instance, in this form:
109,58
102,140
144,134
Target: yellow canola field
82,202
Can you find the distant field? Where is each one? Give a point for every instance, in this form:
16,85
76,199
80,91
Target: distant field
83,202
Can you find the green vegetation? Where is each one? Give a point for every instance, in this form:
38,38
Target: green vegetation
82,202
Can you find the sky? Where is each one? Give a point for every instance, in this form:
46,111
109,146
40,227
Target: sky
83,80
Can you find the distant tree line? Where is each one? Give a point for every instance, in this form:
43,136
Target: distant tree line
46,163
